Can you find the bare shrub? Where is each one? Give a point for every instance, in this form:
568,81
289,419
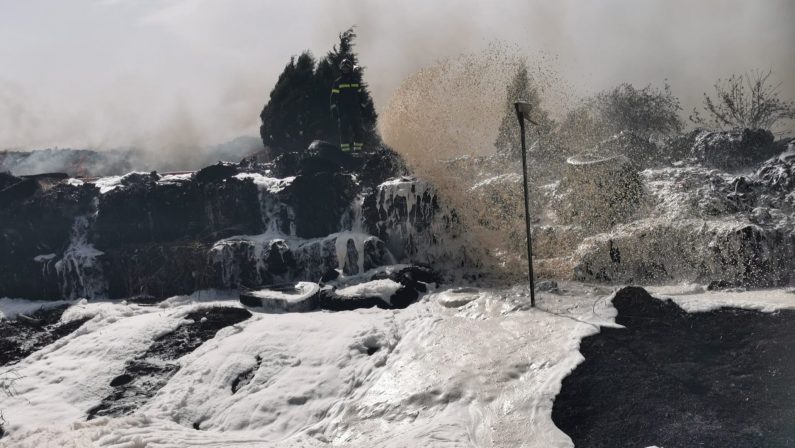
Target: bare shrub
7,379
749,100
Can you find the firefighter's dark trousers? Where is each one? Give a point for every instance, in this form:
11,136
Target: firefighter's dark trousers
351,134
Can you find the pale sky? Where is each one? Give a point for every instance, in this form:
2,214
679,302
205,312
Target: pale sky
110,73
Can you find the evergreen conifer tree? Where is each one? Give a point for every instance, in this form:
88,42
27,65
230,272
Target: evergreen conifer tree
519,89
298,111
288,114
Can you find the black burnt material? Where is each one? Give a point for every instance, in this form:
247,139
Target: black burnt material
16,191
383,212
324,156
40,224
7,179
216,173
733,149
328,300
157,270
319,200
371,167
413,280
209,208
246,376
722,378
155,235
30,332
146,374
379,165
286,164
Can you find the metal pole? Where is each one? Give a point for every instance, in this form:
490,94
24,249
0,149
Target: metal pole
526,211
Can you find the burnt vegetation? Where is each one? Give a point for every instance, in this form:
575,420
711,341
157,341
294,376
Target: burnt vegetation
28,333
721,378
649,115
749,100
146,374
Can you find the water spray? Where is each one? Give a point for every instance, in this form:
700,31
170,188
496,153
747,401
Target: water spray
523,113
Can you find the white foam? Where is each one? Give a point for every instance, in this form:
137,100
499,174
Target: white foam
509,178
383,289
43,258
271,184
11,308
341,247
110,183
694,298
175,178
303,290
484,374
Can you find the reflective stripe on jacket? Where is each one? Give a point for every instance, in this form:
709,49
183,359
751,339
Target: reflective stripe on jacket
346,93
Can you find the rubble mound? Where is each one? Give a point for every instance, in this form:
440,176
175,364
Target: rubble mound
778,174
734,149
224,226
599,190
702,225
684,222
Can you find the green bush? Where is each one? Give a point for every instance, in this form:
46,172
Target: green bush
645,112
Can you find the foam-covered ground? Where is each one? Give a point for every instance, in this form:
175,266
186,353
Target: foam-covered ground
463,367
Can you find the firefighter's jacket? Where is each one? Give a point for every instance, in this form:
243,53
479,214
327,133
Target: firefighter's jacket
346,94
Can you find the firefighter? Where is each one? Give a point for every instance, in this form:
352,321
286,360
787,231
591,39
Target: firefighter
346,107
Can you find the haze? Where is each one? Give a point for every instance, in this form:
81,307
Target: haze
163,73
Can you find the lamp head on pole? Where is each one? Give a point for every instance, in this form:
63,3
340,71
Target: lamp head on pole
523,111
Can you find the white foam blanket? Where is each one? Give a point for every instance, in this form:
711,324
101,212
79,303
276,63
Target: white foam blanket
462,367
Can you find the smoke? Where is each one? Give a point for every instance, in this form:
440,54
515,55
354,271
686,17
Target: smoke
597,44
175,76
